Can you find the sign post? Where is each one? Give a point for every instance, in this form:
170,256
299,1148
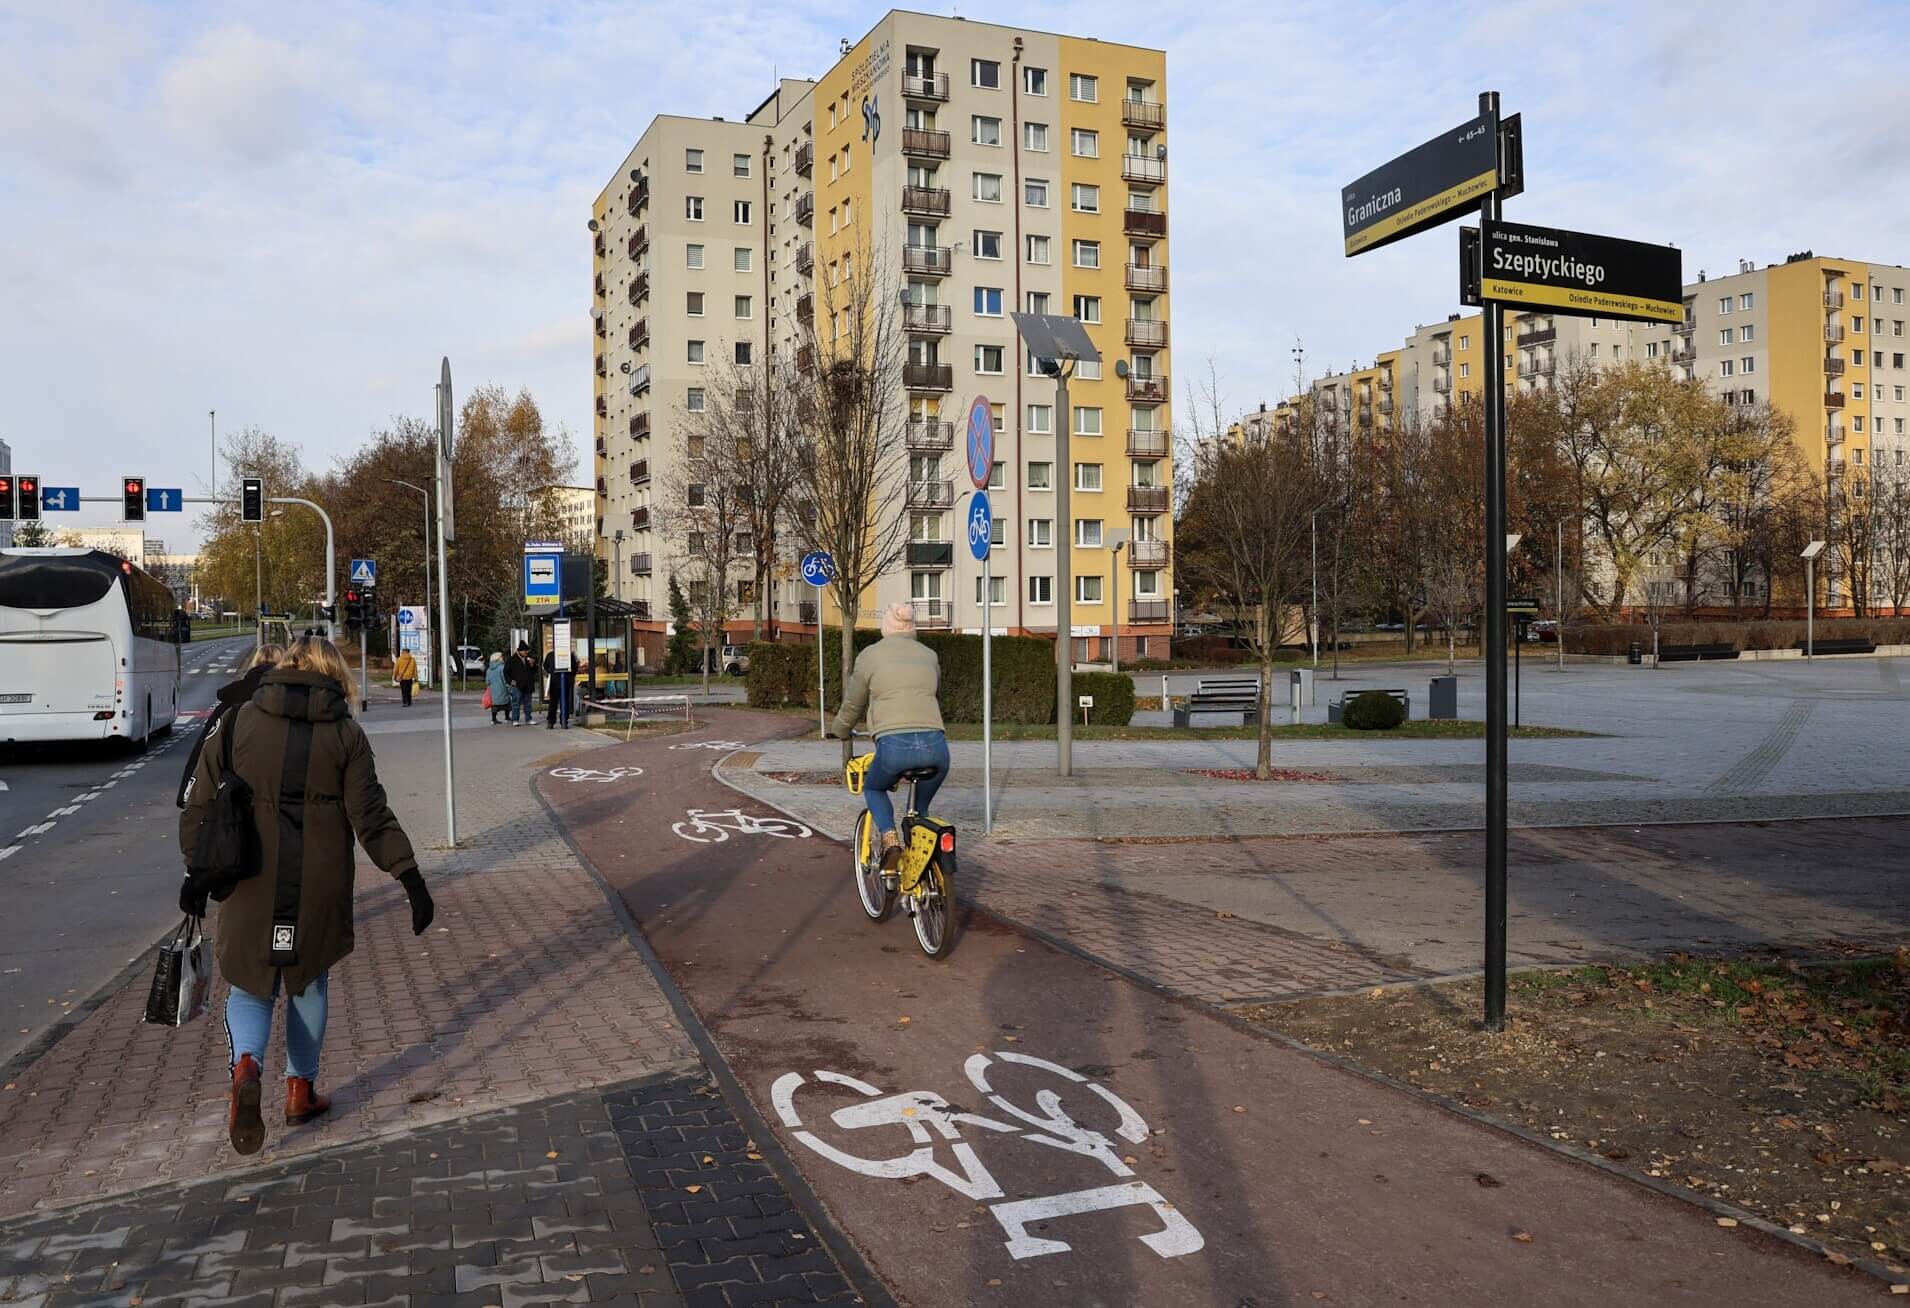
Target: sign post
446,533
819,569
981,531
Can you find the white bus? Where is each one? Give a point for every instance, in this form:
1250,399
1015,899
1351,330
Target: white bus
88,648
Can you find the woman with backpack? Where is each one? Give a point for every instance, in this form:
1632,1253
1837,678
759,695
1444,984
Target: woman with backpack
305,766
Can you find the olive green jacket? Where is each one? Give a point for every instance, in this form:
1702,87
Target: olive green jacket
897,685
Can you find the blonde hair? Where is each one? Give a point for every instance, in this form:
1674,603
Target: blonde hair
316,654
268,654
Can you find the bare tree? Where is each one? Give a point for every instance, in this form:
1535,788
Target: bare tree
1451,484
703,514
1890,512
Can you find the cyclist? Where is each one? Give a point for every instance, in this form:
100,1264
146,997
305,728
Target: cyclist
897,684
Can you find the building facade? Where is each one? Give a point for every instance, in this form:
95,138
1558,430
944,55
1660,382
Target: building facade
981,170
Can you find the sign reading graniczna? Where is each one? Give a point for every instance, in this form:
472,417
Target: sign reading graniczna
1428,185
1575,273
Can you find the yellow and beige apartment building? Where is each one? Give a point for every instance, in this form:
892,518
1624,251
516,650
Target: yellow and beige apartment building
985,170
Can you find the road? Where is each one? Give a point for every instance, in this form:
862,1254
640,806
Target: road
1019,1125
89,864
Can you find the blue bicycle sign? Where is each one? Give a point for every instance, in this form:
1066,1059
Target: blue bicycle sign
818,569
981,526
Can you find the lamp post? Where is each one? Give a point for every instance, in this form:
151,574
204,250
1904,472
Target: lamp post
1119,542
1313,626
258,575
1811,551
616,562
393,481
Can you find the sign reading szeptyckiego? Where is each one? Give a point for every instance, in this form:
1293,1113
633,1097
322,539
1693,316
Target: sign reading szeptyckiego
1425,186
1576,273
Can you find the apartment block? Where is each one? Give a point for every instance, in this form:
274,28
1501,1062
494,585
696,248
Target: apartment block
984,169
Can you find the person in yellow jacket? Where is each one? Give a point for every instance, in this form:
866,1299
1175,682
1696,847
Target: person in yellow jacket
405,673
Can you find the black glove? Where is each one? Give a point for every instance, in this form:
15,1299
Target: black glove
192,898
422,909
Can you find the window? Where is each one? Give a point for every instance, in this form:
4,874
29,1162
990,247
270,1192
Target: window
1087,254
1747,333
692,161
1724,304
1896,361
1856,290
1035,136
1896,326
696,351
1651,349
1084,88
988,360
1857,323
1724,336
1035,192
1857,425
1087,199
739,165
1748,364
988,301
987,245
1465,370
1087,476
1041,590
985,73
997,586
1147,585
1896,297
997,474
1040,419
1037,302
693,256
997,532
693,208
984,130
1727,368
1034,81
1898,396
743,353
1087,590
1087,308
1465,342
1087,533
693,304
1087,420
1085,143
741,212
1746,300
693,401
988,188
1038,250
740,259
1088,370
1040,475
743,307
1876,358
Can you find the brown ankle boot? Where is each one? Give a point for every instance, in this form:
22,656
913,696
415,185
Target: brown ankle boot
302,1103
243,1123
891,850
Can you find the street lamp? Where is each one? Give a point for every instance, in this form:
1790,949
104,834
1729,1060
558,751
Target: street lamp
393,481
1811,551
1118,541
616,560
258,574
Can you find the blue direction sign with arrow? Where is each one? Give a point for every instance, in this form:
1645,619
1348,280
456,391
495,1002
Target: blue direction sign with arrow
981,525
364,572
818,569
981,442
59,499
168,499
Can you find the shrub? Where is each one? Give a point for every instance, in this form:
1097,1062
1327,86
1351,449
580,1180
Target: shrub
1616,638
782,674
1113,694
1373,710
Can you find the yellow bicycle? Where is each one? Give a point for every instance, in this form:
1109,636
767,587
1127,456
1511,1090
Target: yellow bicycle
925,879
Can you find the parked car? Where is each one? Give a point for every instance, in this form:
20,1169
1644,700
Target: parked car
734,660
471,660
1545,629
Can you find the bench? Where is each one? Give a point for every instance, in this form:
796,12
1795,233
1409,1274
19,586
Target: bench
1335,709
1226,696
1696,653
1840,645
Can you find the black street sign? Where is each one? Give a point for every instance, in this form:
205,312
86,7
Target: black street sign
1523,606
1428,185
1550,270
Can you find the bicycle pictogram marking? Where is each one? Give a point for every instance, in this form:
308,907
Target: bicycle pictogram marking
602,777
713,826
724,745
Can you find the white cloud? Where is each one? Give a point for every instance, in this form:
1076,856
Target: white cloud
249,97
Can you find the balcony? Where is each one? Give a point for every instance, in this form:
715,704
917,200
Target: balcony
1442,383
639,425
806,360
806,308
603,328
805,258
1143,115
603,407
1833,299
639,241
1148,278
600,247
931,494
1833,399
1147,333
931,554
603,487
928,376
640,473
927,260
1149,499
1833,433
640,379
1833,365
601,371
806,208
806,612
640,518
930,434
1386,381
927,318
805,158
1686,354
1146,390
1148,554
640,287
1148,610
929,201
1385,404
1146,444
925,143
601,446
639,333
1442,358
640,564
925,86
639,195
933,612
1833,332
1150,224
1536,368
1834,468
1538,336
1143,170
598,285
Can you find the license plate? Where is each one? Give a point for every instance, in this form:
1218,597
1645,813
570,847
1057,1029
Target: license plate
16,699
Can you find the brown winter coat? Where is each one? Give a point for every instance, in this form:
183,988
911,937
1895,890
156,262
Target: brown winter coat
342,797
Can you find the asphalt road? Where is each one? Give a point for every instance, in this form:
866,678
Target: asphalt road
89,857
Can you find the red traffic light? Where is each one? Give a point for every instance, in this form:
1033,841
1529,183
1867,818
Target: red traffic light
134,487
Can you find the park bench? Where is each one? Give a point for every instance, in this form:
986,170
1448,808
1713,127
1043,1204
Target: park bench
1335,709
1840,645
1696,653
1227,696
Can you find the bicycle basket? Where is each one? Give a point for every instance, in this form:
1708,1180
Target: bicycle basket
854,770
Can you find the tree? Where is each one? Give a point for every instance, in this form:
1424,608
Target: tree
32,535
1451,492
281,561
1890,512
683,641
702,513
1758,511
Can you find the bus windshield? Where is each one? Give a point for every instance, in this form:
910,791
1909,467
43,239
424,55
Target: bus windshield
54,581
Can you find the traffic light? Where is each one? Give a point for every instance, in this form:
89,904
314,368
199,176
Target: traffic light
354,611
329,612
252,499
7,506
133,505
28,489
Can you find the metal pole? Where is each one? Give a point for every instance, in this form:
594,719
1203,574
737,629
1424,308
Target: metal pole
1518,646
1064,566
444,601
1115,600
1314,634
1494,328
364,670
822,681
331,557
426,606
212,417
988,701
1810,607
1561,583
258,582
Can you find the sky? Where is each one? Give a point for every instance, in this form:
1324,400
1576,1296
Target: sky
288,213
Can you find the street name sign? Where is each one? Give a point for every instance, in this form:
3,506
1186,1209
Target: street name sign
1431,183
1522,606
59,499
1550,270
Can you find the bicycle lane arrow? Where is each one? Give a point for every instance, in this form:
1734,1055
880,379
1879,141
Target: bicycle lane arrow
1016,1124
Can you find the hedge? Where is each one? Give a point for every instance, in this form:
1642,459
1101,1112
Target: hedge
1113,694
1373,710
1616,638
782,674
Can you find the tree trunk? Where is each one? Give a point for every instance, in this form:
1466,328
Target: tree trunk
1263,760
849,612
1450,639
756,616
706,660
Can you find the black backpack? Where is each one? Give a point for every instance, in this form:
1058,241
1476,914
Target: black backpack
228,848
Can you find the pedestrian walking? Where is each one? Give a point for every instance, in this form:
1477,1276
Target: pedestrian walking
405,673
309,768
496,688
232,696
521,672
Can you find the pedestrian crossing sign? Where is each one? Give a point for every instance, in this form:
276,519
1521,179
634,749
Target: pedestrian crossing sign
364,572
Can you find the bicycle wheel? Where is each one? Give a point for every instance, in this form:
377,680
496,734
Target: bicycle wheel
933,911
877,899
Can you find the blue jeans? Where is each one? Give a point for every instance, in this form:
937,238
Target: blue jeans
519,705
894,754
248,1023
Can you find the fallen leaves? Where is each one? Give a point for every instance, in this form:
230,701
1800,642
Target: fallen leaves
1727,1222
1523,1237
1487,1180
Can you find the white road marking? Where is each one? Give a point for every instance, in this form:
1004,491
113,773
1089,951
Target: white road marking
592,774
3,785
68,811
39,830
8,852
91,794
712,826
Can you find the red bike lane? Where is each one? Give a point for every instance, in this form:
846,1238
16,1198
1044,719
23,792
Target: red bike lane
1015,1124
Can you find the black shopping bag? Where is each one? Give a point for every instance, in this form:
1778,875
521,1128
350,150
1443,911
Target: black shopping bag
182,978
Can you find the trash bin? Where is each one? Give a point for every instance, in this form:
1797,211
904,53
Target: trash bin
1636,654
1443,695
1300,688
